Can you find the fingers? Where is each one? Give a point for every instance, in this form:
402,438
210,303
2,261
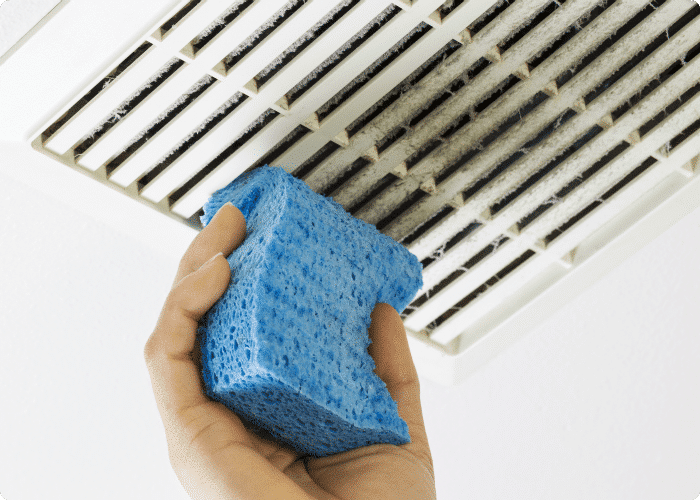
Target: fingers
174,375
394,365
224,233
238,471
212,453
390,346
169,350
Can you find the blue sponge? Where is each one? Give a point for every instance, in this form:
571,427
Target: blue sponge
285,347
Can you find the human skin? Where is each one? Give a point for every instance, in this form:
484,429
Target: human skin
216,455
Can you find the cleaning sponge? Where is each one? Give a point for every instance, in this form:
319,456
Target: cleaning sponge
285,347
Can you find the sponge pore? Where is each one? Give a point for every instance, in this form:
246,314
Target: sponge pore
285,347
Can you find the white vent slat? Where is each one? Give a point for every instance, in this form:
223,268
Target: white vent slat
637,38
207,105
241,28
555,143
578,199
136,75
181,170
245,70
414,99
81,125
336,122
202,152
338,78
547,149
684,153
502,143
172,134
453,108
177,84
560,177
138,118
302,20
465,139
487,305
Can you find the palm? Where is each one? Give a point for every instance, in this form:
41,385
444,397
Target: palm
377,471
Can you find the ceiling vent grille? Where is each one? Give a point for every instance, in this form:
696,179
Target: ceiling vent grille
493,139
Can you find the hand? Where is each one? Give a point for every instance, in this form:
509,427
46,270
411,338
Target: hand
215,455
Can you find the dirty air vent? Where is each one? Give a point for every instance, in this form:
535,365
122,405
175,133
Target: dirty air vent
499,141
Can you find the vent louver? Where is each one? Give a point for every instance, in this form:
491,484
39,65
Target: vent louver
491,138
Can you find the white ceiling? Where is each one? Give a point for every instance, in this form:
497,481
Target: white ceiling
63,56
18,18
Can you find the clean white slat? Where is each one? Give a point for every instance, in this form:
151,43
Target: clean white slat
465,284
91,116
276,43
134,77
138,118
340,76
685,151
245,24
181,170
180,127
201,153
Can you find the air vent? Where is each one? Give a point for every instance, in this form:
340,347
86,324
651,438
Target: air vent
496,140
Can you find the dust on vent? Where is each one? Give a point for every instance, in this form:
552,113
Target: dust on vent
503,143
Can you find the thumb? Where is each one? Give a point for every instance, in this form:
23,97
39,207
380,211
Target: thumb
389,348
394,365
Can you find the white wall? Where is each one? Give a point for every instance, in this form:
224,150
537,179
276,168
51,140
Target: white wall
600,402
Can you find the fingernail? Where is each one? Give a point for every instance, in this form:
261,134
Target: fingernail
222,209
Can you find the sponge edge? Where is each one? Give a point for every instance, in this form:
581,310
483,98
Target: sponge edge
285,347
